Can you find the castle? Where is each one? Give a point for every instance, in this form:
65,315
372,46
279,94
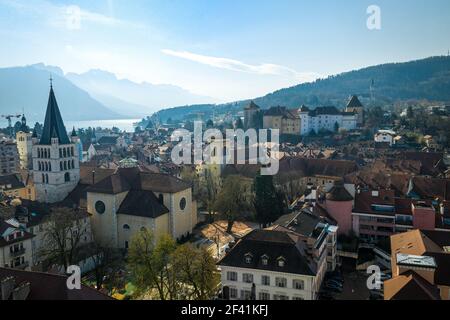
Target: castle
55,157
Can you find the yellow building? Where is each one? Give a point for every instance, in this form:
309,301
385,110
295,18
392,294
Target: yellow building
130,200
287,121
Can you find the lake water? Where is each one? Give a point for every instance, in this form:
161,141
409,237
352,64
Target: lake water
122,124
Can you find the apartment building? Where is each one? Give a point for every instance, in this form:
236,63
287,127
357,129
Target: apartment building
15,245
272,265
9,157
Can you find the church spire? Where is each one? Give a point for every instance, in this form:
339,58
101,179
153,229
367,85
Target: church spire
53,125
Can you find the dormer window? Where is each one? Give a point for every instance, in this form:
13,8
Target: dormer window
265,260
248,258
281,262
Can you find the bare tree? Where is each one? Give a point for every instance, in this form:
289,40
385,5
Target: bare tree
64,233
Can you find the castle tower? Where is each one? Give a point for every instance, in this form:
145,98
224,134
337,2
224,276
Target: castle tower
24,145
354,105
251,116
56,169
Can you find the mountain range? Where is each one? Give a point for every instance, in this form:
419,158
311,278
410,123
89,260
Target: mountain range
94,95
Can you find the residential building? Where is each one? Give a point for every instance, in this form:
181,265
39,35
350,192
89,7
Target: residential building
385,136
420,266
24,145
313,231
283,119
12,186
9,157
271,265
15,245
378,214
56,168
325,119
34,216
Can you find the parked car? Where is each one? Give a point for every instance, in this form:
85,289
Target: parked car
333,282
333,288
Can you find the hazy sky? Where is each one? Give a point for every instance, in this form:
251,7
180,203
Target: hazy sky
226,49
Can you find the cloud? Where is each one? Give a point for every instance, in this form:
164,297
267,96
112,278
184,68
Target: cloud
239,66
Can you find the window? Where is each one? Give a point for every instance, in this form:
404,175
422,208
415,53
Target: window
280,282
264,296
248,258
247,278
281,262
265,260
265,280
246,294
297,298
126,227
100,207
183,203
233,293
298,284
231,276
280,297
67,177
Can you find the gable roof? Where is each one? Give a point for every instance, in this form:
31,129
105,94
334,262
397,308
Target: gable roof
272,244
53,125
410,286
354,103
142,203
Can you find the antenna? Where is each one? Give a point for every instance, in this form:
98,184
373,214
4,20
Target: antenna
51,81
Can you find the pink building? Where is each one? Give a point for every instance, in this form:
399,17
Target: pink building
339,204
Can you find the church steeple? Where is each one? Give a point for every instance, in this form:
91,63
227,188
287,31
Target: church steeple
53,125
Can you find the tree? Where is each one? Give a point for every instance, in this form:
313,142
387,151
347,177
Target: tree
336,127
196,270
239,124
64,234
231,200
208,191
209,124
268,202
150,264
105,261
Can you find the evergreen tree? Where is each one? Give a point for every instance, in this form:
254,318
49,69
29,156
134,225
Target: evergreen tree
268,201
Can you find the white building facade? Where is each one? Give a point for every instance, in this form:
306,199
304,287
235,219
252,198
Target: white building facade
325,118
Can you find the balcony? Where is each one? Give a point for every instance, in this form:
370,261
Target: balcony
22,266
17,253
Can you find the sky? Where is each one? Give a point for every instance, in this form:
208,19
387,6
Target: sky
225,49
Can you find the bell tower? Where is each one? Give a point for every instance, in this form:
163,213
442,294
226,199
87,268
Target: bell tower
56,168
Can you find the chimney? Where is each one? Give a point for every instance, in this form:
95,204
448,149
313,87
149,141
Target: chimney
21,292
93,176
7,287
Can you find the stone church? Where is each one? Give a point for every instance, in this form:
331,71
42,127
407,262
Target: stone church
56,169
